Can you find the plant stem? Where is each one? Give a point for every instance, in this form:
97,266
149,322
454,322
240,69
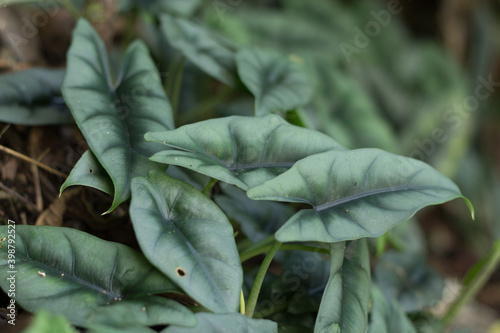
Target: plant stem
176,94
173,82
209,186
395,241
475,280
252,252
266,241
242,303
257,283
381,244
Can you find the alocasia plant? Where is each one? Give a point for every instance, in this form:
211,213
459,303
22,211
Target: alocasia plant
282,187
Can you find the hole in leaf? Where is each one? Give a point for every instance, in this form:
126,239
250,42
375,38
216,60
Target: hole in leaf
181,272
91,171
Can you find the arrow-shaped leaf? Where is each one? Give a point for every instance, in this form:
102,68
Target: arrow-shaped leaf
277,82
244,151
72,273
187,237
225,323
33,97
357,193
210,52
114,117
344,306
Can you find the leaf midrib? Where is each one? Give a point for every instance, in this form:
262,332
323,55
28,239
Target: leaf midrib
69,275
164,216
362,195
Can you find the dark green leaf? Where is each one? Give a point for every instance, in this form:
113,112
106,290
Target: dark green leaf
244,151
357,193
204,48
114,117
69,272
387,316
277,82
33,97
89,172
226,323
344,306
408,279
185,235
